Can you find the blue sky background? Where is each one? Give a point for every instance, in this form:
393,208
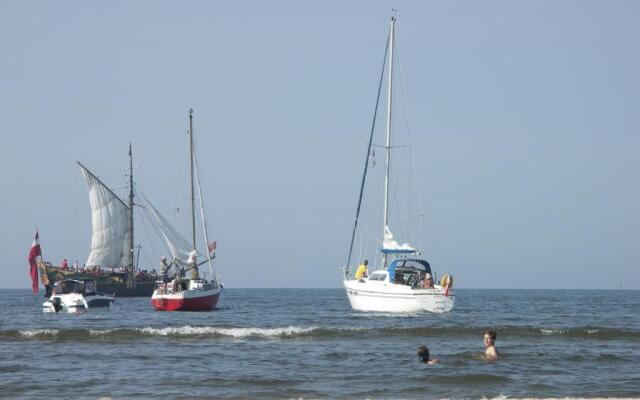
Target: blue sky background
524,116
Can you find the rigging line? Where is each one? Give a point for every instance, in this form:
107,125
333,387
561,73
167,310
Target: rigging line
395,190
411,153
368,231
146,229
366,159
399,167
151,220
176,203
157,231
74,223
204,221
147,257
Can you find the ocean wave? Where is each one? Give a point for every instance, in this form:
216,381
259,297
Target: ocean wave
553,331
289,331
38,332
317,332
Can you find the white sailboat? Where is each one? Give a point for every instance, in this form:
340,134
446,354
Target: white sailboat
402,284
186,293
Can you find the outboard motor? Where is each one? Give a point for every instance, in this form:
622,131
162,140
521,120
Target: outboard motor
57,303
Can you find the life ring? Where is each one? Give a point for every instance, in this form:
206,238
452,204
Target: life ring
446,281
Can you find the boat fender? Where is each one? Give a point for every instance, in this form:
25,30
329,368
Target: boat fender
446,281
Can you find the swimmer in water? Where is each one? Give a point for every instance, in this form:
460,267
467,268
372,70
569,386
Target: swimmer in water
423,353
490,352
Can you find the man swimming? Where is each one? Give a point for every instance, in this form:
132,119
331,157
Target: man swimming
490,352
423,353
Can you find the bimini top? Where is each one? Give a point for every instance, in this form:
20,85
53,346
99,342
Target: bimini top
409,263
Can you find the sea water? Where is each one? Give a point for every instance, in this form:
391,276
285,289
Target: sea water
305,343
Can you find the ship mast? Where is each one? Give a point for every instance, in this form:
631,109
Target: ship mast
131,281
388,140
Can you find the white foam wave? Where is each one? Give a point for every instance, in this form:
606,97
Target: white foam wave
232,332
36,332
553,331
592,331
98,332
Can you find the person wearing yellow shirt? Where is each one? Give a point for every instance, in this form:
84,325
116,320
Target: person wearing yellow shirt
362,270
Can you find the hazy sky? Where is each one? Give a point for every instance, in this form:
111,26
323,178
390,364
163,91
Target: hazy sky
524,115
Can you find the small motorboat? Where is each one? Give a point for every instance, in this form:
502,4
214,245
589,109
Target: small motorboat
76,296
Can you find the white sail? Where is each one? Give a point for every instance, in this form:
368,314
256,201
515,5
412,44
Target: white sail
175,242
110,225
390,245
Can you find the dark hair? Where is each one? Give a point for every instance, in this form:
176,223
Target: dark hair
423,353
491,333
366,262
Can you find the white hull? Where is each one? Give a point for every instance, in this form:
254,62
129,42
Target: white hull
76,303
389,297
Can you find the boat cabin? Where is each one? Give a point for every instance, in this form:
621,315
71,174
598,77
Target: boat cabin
408,271
67,286
178,285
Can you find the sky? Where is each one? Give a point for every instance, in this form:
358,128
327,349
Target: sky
524,123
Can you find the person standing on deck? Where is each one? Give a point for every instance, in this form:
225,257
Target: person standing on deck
362,270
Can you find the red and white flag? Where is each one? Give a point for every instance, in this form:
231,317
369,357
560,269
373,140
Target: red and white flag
34,253
212,247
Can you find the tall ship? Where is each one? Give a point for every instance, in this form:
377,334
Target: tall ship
404,281
111,258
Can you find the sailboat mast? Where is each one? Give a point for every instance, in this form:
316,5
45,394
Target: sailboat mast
388,141
193,196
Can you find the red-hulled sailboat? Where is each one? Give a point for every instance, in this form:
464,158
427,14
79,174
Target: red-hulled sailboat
182,293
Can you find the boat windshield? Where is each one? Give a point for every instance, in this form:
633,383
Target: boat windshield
89,287
378,276
66,287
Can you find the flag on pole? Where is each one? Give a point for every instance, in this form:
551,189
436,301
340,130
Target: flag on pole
212,247
34,253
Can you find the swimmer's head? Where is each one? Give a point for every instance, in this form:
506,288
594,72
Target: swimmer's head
490,337
423,353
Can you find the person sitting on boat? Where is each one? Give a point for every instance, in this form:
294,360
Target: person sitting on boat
427,283
423,353
361,273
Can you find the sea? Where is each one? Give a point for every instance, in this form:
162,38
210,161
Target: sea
308,343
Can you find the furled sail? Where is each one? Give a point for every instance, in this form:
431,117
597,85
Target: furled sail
389,245
110,223
175,242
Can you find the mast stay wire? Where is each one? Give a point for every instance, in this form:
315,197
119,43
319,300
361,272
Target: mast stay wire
366,160
411,153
